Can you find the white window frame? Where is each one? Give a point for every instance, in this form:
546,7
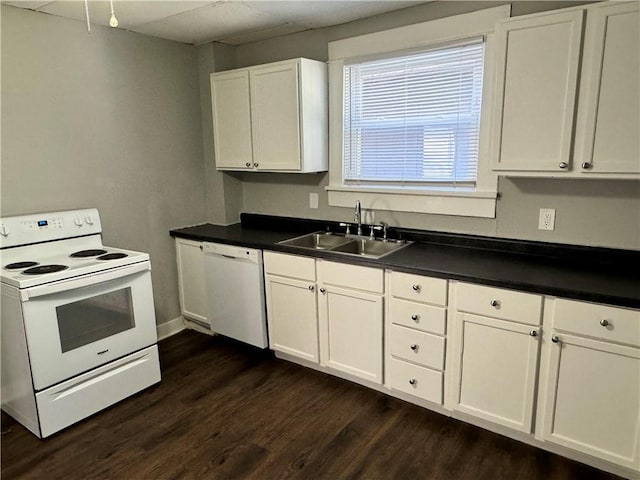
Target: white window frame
479,202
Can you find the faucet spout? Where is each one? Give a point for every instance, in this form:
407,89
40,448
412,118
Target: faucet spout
358,217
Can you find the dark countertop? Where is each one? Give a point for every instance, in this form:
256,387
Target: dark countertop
566,271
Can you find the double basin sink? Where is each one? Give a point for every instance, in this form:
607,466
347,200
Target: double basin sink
345,244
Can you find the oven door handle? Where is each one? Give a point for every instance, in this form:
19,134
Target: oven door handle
84,281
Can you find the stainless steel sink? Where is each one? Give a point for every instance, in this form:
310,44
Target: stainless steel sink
369,248
317,241
347,245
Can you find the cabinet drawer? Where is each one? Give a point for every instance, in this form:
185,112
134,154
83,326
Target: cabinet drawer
599,321
351,276
290,266
418,347
418,288
499,303
420,316
415,380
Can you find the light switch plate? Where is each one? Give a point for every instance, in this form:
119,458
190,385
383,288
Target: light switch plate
313,200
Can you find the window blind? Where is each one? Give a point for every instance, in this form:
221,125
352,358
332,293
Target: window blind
414,119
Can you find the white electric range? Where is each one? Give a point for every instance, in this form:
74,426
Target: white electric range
78,320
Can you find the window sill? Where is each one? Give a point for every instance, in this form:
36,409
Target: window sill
462,203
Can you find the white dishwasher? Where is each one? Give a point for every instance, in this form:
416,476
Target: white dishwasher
235,293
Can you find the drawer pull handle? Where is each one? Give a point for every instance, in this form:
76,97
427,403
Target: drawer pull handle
416,288
414,347
533,333
555,339
413,381
495,303
415,317
604,322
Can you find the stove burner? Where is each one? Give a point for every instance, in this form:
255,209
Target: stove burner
44,269
88,253
20,265
112,256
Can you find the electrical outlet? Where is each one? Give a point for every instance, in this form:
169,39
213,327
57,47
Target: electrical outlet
547,220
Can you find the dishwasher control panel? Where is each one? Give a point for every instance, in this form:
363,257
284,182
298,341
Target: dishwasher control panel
232,251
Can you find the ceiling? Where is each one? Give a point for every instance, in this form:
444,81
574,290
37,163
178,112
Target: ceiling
233,22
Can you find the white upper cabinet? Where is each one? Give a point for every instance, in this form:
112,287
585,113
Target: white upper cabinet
271,118
609,107
232,120
557,117
539,58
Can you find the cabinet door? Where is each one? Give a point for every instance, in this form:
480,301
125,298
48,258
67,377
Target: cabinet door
191,284
607,136
495,375
232,120
275,117
292,317
536,91
352,332
593,399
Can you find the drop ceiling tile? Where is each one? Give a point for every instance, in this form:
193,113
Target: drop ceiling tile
258,35
210,23
25,4
129,13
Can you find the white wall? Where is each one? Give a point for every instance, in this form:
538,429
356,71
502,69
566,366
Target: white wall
108,120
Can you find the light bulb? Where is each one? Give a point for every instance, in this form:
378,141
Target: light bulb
113,21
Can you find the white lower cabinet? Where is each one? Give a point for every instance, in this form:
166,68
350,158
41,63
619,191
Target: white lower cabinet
191,282
350,316
495,360
591,396
290,285
415,335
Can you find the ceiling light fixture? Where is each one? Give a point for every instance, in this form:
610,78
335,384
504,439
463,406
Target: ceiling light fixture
113,21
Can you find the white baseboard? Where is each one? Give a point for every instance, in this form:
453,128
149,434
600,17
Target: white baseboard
170,328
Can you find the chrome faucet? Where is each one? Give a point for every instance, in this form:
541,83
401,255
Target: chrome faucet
358,217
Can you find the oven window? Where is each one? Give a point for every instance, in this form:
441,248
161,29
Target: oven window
84,322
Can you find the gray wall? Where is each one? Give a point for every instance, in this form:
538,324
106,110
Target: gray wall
588,212
108,120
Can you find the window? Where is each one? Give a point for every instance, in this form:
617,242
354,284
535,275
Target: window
414,119
410,111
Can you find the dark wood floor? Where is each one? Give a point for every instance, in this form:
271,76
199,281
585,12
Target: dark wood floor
227,411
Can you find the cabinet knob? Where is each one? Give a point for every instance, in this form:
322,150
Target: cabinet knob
555,339
416,288
533,333
323,290
414,347
312,288
604,322
586,165
563,165
256,164
413,381
415,317
248,164
494,303
201,247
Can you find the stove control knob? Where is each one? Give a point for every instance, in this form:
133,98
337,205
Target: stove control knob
89,220
3,231
78,221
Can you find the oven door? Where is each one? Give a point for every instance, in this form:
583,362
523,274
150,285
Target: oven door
78,324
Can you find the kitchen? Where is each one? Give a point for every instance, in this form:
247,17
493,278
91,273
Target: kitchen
122,122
